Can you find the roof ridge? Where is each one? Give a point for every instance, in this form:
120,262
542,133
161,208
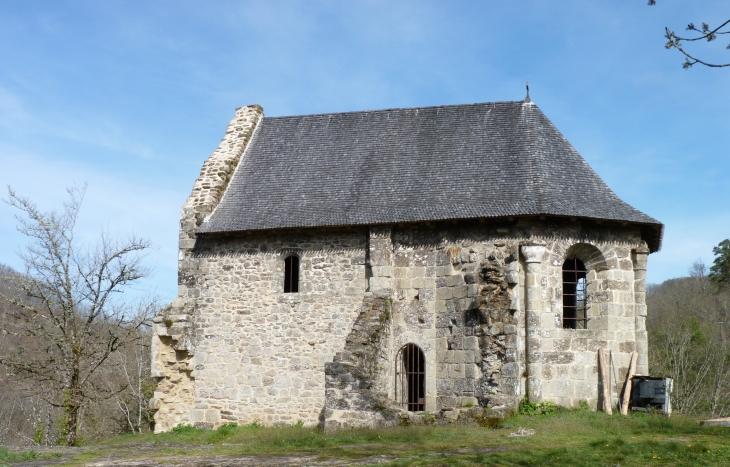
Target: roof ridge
394,109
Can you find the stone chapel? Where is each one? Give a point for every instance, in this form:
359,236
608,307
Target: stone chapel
352,269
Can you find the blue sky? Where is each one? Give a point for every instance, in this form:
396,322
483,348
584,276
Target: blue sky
132,97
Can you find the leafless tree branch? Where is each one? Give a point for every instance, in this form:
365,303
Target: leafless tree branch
706,33
70,316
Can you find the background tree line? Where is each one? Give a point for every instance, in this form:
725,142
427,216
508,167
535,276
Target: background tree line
29,409
689,335
74,350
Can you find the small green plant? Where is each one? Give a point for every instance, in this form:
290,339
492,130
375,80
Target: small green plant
227,428
469,404
527,407
299,424
543,408
38,435
255,424
385,316
583,405
548,408
224,432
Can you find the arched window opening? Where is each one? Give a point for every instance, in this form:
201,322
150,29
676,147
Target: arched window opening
575,294
291,274
410,378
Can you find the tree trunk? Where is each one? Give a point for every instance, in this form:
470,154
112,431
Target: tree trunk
72,407
72,419
49,425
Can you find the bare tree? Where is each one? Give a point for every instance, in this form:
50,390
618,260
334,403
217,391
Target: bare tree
681,352
698,270
686,322
705,33
68,315
133,365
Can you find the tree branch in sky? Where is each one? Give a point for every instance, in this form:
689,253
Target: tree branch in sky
705,33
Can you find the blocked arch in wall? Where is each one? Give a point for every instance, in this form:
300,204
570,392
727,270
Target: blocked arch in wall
582,264
410,378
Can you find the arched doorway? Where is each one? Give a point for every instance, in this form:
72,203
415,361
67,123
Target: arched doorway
410,378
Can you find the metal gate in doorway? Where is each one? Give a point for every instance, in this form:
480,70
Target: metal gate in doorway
410,378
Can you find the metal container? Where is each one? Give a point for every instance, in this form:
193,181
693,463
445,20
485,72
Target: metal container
651,394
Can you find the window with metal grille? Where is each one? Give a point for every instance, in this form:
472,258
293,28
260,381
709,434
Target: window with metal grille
291,274
410,378
575,297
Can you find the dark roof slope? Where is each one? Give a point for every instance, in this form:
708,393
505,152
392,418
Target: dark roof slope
420,164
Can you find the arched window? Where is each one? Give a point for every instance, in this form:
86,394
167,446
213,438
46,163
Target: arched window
291,274
410,378
575,295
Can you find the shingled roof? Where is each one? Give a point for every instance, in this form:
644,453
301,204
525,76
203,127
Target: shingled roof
471,161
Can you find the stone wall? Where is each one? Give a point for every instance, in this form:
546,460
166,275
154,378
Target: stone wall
484,303
259,352
483,300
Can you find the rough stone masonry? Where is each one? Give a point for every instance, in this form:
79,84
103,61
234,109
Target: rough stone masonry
446,228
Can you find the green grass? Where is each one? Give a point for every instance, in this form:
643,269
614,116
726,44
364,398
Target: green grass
562,437
7,456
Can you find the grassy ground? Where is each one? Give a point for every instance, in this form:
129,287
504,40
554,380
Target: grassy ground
7,456
562,438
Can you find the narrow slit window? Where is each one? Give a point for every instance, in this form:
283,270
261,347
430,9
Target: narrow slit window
291,274
410,378
575,296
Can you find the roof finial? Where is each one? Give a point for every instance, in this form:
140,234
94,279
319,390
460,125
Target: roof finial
527,98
